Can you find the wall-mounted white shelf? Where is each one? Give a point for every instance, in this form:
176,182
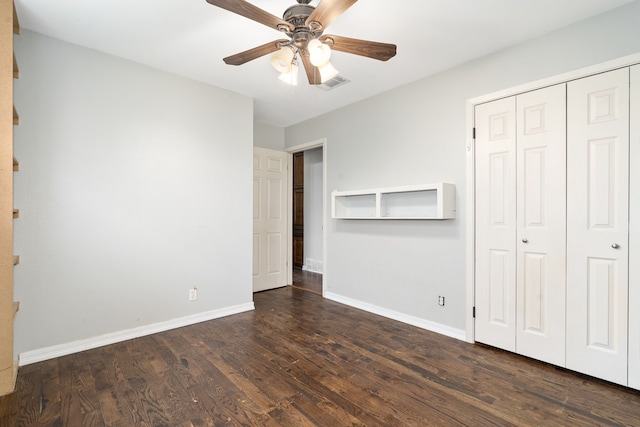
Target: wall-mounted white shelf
427,201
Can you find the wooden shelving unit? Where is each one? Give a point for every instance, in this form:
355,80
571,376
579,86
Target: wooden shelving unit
8,165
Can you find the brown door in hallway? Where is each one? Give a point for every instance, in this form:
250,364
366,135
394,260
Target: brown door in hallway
298,210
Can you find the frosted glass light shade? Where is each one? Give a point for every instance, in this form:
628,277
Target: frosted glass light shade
281,59
319,53
291,77
327,72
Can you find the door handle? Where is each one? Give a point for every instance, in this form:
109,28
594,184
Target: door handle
525,241
615,246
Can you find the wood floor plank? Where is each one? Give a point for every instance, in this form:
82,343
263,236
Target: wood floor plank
27,397
50,400
300,360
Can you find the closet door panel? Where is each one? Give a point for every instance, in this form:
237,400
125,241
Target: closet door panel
496,224
541,224
634,232
597,230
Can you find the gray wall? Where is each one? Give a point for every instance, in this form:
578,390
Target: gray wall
268,136
134,186
416,134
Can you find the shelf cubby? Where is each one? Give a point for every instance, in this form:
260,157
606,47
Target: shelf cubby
356,205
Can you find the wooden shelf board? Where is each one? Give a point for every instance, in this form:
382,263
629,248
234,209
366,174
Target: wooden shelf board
16,165
16,71
16,259
16,213
16,118
16,307
16,24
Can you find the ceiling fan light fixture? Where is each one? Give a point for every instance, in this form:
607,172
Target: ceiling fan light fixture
319,53
282,59
304,25
327,72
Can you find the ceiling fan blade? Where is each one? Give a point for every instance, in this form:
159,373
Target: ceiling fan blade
375,50
328,10
256,52
313,74
252,12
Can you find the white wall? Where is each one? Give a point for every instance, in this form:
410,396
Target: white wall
416,134
134,186
268,136
313,210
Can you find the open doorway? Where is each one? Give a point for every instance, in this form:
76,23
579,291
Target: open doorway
307,213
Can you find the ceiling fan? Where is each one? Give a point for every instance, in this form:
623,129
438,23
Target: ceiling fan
304,25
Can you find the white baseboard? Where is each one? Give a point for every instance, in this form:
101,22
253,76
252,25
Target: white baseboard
52,352
401,317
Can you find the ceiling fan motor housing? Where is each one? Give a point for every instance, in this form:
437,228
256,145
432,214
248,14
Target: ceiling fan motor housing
297,16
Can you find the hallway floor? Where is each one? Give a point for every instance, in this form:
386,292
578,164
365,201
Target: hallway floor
307,281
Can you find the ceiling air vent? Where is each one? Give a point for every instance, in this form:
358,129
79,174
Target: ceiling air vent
334,83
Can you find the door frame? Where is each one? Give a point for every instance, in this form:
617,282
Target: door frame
625,61
291,150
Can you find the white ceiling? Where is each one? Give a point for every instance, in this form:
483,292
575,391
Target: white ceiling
190,38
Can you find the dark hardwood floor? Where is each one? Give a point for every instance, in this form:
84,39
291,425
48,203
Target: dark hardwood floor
300,360
307,281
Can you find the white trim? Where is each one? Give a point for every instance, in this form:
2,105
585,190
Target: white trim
400,317
603,67
52,352
634,232
290,220
306,146
295,149
470,207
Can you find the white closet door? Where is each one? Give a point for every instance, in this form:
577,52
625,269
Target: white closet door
541,221
634,233
597,225
496,223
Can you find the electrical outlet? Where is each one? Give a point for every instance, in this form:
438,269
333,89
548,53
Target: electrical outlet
441,301
193,294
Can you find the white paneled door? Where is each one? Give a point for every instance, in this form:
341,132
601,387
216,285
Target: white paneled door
541,224
520,223
269,219
496,223
634,233
597,229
